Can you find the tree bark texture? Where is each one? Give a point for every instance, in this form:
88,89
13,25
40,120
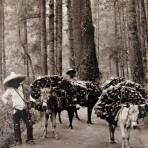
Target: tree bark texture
4,53
87,64
135,56
43,38
51,38
76,10
144,36
59,37
1,40
70,34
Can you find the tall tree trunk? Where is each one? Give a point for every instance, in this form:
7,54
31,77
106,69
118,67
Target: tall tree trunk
43,38
86,56
120,12
98,30
70,34
125,42
1,39
110,66
25,36
59,36
138,19
146,8
55,33
51,38
127,69
116,38
136,65
76,11
144,36
128,43
4,54
117,67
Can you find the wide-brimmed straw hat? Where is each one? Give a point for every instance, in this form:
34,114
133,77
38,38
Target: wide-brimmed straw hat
13,79
70,71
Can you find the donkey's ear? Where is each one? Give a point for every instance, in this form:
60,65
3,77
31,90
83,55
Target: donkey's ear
126,105
142,105
146,102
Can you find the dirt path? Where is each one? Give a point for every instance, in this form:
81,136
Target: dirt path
83,135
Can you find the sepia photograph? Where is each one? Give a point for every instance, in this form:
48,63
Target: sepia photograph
73,73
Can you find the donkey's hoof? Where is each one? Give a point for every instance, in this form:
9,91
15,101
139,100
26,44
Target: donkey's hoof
56,136
113,142
44,136
71,127
89,122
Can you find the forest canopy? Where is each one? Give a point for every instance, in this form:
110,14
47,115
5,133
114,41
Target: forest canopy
98,38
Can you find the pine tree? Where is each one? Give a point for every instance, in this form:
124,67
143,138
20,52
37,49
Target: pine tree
70,34
85,51
59,26
43,37
76,24
144,36
51,38
135,56
89,69
1,39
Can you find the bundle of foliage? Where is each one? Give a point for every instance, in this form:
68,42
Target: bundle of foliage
114,96
112,82
85,92
65,89
137,86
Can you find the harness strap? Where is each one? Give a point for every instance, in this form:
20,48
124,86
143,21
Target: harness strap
119,111
20,96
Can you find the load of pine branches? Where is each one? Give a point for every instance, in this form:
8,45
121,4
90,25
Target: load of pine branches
116,92
68,89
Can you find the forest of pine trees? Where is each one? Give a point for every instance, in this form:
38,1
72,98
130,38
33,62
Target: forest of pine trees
98,38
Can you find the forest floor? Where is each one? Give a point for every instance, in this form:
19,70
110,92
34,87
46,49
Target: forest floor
84,135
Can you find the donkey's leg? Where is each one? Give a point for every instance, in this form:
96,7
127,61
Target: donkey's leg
76,113
128,137
53,122
46,124
123,135
112,133
41,116
70,111
59,115
89,112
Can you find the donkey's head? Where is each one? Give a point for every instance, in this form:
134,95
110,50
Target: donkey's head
45,93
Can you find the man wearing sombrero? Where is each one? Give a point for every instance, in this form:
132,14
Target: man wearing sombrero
71,73
14,97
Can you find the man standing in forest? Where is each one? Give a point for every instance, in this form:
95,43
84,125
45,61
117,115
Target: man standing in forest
14,98
71,73
72,76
